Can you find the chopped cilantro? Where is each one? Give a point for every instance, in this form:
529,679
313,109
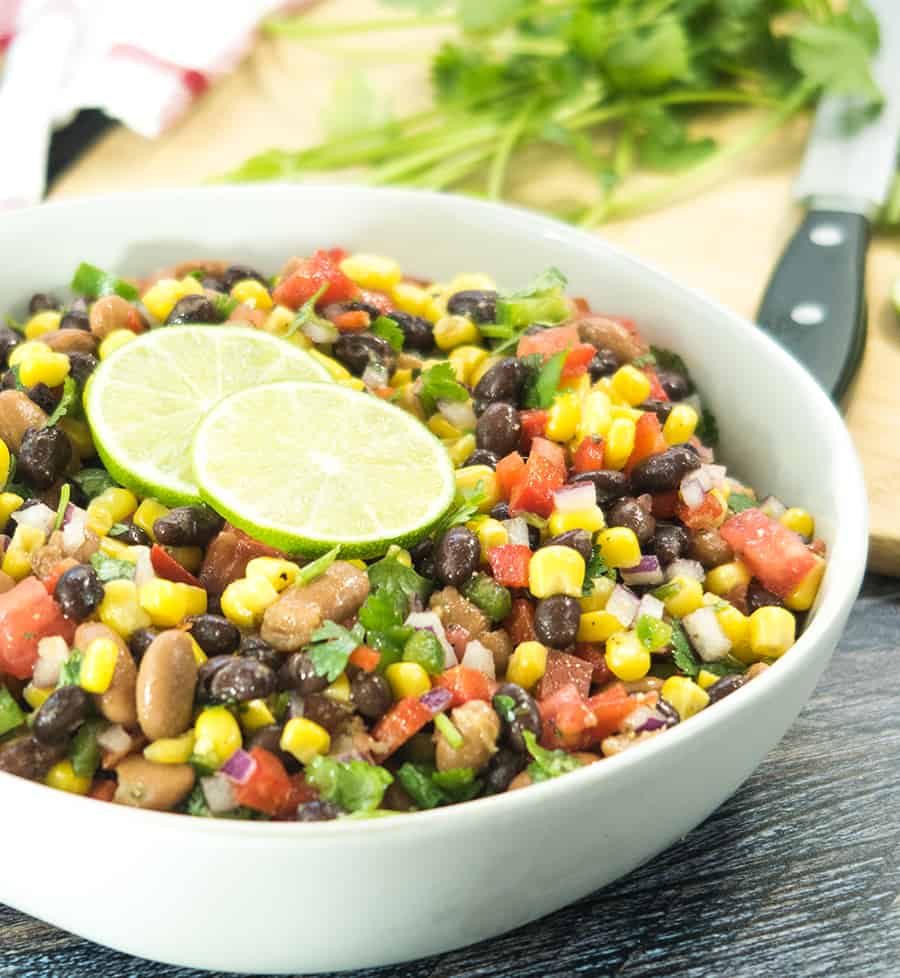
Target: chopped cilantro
68,403
111,568
739,501
540,389
668,360
645,360
418,785
597,567
11,715
725,667
70,670
682,652
93,282
331,648
14,324
401,582
439,383
464,508
92,482
307,313
548,763
707,427
505,707
64,494
429,788
387,329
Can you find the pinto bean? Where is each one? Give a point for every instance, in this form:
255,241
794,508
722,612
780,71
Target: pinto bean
108,314
334,596
609,334
117,704
18,413
166,682
70,341
453,609
147,784
227,557
500,646
480,728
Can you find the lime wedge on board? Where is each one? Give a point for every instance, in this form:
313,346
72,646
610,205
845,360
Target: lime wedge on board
144,402
306,467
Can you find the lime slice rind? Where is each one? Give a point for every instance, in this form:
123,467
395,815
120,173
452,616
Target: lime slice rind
305,467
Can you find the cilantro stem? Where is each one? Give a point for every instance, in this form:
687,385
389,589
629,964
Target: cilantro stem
298,28
505,147
440,151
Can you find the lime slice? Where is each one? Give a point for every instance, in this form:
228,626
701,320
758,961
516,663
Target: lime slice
145,400
305,467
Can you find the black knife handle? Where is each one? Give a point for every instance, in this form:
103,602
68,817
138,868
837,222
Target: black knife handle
814,304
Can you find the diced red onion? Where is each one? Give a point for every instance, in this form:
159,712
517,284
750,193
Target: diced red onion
517,531
52,653
458,413
651,607
239,767
375,375
67,515
74,528
143,566
319,331
716,475
771,506
116,739
570,499
39,516
436,700
647,571
653,722
622,604
479,658
706,634
691,491
429,620
219,793
637,719
685,568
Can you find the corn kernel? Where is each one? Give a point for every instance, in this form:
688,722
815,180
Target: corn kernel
453,331
464,360
407,679
169,602
17,559
681,595
410,298
279,573
723,509
626,656
25,351
9,503
99,518
98,665
490,533
357,563
255,714
727,577
799,520
147,514
680,424
595,415
772,631
469,477
435,307
736,628
245,600
580,386
563,417
120,502
218,735
171,750
705,679
461,449
619,547
16,563
62,776
626,412
41,323
804,594
279,322
34,696
79,435
685,695
401,376
161,297
556,570
253,293
600,592
482,368
339,690
597,626
472,281
120,610
440,426
619,443
630,384
527,664
399,554
115,341
50,369
372,271
337,370
577,519
305,739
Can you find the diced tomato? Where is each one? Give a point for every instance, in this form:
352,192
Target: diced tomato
268,789
596,655
648,440
465,684
245,313
534,424
582,306
705,516
664,503
404,719
509,564
533,493
519,623
564,670
588,456
772,552
309,276
28,614
365,658
352,321
337,255
553,453
577,360
168,567
548,341
565,716
102,789
379,300
657,391
509,470
610,707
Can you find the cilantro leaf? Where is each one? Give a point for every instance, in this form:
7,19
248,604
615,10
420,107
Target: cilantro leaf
68,403
354,105
387,329
549,280
331,647
739,501
354,786
458,784
380,612
540,388
505,707
70,670
419,786
11,715
111,568
93,282
596,567
429,788
93,482
682,652
725,667
439,383
707,427
835,56
464,508
649,58
400,582
645,360
548,763
669,360
543,301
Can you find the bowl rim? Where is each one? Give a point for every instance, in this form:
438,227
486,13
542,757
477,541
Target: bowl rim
850,543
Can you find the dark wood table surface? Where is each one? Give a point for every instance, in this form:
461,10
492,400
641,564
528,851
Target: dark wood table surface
797,875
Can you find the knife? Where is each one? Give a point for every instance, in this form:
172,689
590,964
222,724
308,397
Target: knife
814,304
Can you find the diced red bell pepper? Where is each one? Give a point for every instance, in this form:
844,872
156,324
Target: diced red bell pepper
534,424
465,684
553,453
509,564
533,493
519,623
352,321
577,360
703,517
268,789
610,708
168,567
365,658
657,391
648,440
596,656
772,552
404,719
309,276
509,470
664,503
588,456
565,716
564,670
28,614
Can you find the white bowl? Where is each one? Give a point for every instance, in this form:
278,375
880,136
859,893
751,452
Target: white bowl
260,897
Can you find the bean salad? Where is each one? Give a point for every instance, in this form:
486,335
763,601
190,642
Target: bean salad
598,579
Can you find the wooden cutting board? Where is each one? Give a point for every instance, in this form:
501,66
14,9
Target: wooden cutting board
723,241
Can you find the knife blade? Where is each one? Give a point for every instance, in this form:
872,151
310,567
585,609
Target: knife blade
814,303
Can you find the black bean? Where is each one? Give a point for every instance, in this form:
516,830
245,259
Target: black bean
498,429
187,526
27,757
237,273
241,680
318,811
43,396
320,709
140,641
504,766
44,455
579,540
668,712
422,554
356,305
500,511
356,351
603,363
526,717
213,284
481,456
480,305
629,513
78,592
215,634
534,537
42,302
75,318
503,382
670,542
207,673
131,534
675,384
81,366
661,409
255,647
709,547
60,714
759,597
457,556
8,381
723,687
608,484
299,673
371,695
192,309
269,738
9,340
418,333
664,472
556,620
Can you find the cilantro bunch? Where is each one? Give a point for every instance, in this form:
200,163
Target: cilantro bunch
622,87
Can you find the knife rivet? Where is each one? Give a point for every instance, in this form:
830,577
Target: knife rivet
827,235
808,314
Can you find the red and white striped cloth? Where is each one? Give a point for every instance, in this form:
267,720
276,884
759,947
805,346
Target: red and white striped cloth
141,63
